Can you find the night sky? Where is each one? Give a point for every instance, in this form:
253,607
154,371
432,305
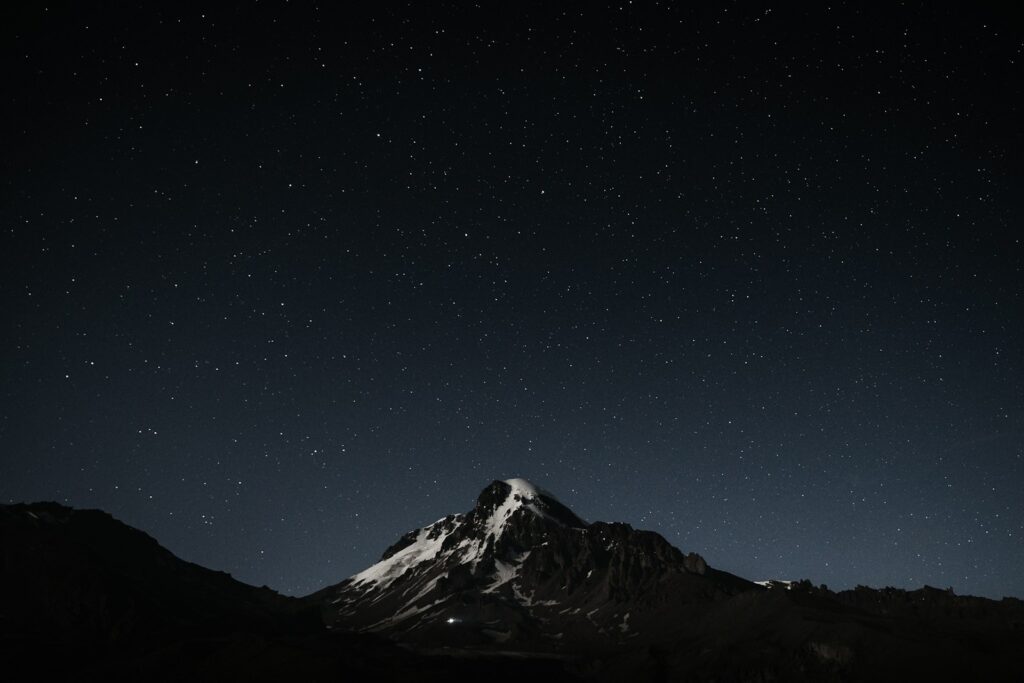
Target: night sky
281,283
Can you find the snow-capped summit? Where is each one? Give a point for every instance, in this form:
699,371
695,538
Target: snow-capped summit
500,502
528,491
523,487
500,505
506,569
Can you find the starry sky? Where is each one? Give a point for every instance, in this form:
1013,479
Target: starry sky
281,282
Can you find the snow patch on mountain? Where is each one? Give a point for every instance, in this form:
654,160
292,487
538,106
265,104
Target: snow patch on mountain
525,488
425,548
506,571
404,614
624,626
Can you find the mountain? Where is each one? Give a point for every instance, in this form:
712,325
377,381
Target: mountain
522,570
521,573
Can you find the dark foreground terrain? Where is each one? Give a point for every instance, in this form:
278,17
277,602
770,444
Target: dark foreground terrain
84,597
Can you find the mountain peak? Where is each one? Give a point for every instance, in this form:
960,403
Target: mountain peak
524,488
500,490
502,499
503,569
469,536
